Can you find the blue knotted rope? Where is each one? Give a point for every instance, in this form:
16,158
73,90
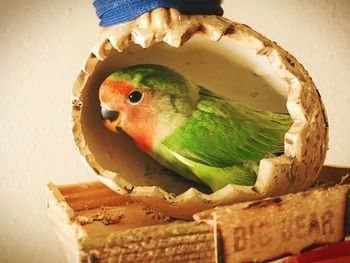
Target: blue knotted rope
111,12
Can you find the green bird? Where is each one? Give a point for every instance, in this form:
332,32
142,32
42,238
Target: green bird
189,129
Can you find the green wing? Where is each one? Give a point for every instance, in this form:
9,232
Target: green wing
224,141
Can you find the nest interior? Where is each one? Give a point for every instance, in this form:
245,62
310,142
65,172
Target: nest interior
224,67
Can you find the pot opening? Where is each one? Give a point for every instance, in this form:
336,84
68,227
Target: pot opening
224,67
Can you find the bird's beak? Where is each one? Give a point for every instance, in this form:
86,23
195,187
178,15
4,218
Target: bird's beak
111,119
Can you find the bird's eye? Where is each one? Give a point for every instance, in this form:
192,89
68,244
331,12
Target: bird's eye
135,97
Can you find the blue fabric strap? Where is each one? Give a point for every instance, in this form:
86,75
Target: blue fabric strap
111,12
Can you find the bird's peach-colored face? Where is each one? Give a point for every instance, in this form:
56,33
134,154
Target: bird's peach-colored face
133,110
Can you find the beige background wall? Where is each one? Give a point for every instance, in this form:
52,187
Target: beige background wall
42,46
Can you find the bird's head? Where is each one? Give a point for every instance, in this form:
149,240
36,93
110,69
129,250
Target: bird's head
146,101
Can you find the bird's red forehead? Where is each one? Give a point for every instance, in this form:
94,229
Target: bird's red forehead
116,87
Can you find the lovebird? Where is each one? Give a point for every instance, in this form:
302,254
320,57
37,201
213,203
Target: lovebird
189,129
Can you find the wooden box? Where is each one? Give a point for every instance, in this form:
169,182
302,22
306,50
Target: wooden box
95,224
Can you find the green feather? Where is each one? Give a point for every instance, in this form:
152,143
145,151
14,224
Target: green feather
224,141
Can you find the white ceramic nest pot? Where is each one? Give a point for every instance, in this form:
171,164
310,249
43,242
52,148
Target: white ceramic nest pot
226,57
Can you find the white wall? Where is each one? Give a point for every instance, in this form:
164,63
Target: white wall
42,46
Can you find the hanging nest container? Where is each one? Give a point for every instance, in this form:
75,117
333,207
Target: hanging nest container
228,58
